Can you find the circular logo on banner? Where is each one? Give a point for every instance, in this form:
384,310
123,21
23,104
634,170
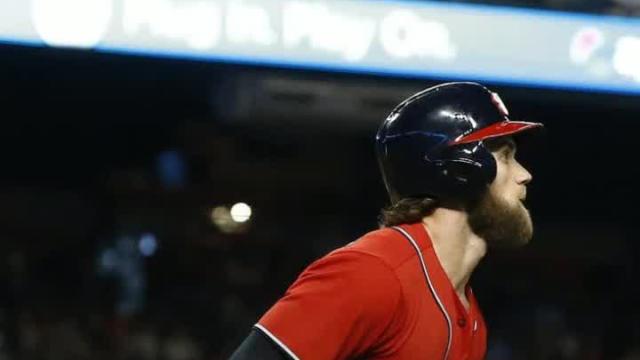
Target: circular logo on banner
73,23
584,44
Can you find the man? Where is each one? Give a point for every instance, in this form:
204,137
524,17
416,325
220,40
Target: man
447,156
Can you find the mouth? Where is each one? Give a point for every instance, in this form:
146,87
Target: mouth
523,198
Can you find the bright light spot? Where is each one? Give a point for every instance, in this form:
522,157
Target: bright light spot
231,221
240,212
148,244
74,23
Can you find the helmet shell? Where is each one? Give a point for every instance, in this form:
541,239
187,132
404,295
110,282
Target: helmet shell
432,144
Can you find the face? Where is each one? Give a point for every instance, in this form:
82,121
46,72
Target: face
500,216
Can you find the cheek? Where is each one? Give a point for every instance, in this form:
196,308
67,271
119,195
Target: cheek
500,185
505,192
503,185
502,172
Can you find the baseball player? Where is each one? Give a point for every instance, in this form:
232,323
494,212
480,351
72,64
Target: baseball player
447,156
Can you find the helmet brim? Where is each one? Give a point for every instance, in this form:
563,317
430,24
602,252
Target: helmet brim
503,128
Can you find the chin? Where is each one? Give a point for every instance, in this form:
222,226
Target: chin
502,223
526,230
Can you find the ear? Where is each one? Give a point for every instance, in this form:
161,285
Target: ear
471,168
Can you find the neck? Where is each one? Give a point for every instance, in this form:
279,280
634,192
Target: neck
459,250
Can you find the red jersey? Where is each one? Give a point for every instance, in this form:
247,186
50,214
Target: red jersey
384,296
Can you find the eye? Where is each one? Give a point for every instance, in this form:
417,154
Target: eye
503,149
504,154
510,151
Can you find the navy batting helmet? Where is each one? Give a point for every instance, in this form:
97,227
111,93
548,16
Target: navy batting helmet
433,143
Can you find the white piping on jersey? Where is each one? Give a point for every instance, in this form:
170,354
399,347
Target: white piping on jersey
277,341
433,290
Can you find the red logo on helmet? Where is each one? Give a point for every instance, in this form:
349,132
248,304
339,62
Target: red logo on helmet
498,102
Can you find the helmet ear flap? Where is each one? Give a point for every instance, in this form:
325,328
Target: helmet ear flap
468,168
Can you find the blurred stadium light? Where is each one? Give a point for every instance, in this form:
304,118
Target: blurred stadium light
148,244
395,38
240,212
231,220
171,169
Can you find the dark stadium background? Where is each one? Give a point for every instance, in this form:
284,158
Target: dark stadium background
81,142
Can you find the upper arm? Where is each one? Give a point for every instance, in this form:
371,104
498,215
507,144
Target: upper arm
258,346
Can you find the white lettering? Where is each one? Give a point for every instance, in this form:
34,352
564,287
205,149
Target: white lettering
404,34
315,23
198,23
249,24
626,58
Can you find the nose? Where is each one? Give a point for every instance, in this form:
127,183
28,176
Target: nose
523,176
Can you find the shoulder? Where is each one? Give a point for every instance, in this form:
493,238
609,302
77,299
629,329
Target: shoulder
350,276
387,245
366,267
352,267
341,306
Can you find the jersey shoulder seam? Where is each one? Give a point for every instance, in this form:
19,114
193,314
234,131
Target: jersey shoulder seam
392,267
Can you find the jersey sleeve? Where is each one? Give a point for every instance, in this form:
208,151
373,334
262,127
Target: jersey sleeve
338,308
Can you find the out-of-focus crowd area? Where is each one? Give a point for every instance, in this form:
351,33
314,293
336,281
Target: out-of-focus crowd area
194,301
